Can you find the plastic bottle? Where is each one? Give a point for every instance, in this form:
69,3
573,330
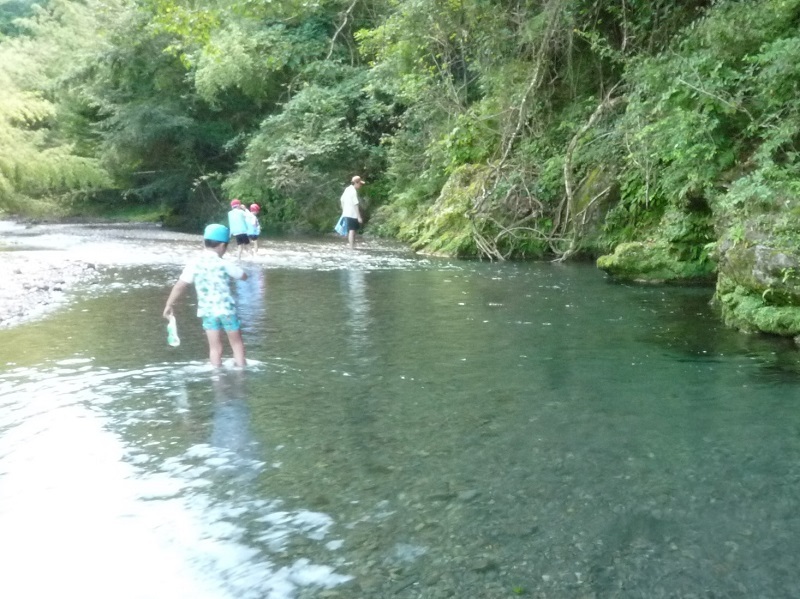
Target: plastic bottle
172,332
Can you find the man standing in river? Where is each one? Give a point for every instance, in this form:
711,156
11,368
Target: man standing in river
350,209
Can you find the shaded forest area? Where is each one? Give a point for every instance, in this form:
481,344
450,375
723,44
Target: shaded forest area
661,135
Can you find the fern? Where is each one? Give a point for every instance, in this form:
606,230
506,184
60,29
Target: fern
37,160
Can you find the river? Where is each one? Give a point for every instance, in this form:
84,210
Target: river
408,427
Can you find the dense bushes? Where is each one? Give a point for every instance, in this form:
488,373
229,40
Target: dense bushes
500,129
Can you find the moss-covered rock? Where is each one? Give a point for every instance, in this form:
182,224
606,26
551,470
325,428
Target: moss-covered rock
676,250
594,197
751,312
771,272
445,228
654,262
758,288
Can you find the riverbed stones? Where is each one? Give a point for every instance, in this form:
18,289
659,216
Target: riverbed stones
35,282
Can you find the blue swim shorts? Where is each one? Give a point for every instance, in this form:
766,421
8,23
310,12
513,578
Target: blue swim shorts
229,322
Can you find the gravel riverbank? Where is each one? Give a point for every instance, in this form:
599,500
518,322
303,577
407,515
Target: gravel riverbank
41,264
33,284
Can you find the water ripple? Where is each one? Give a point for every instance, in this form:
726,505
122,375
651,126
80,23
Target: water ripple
91,496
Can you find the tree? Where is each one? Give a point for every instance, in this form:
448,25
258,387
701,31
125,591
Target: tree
38,161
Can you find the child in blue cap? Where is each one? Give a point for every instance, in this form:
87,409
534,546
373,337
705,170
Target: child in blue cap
210,275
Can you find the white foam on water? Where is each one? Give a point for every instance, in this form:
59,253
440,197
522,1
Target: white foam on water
79,518
335,544
72,522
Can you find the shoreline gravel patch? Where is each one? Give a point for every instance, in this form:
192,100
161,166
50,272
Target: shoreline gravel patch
35,282
42,264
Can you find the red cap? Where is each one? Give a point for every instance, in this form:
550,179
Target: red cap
254,208
235,203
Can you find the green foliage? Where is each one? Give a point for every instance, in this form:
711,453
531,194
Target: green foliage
308,152
37,160
11,11
259,61
711,122
482,127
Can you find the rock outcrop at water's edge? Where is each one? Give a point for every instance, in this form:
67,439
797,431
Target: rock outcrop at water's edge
755,264
654,262
758,285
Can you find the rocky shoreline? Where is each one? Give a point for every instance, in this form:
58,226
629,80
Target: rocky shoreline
41,264
32,285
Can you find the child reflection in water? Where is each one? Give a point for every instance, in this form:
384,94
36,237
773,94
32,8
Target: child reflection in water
250,300
231,421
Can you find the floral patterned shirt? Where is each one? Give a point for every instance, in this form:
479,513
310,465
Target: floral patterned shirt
210,275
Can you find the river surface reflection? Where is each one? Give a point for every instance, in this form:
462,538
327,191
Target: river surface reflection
407,428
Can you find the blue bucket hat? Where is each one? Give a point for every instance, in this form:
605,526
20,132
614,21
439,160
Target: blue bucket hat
217,233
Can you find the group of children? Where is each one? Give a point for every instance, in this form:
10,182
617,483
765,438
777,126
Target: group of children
209,273
244,225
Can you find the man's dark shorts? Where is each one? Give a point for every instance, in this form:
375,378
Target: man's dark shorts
242,239
352,224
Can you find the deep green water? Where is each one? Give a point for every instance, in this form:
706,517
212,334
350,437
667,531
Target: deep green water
409,428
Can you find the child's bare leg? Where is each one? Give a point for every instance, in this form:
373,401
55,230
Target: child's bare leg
214,347
237,345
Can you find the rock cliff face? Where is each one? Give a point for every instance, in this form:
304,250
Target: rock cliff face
754,261
758,285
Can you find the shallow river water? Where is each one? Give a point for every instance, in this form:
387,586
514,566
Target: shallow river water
408,427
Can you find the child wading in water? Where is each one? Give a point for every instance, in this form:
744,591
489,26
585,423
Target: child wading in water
215,305
237,221
253,226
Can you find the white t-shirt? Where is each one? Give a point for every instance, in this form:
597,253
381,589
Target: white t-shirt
237,221
349,202
210,275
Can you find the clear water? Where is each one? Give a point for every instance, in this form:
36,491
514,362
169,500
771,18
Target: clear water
408,428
